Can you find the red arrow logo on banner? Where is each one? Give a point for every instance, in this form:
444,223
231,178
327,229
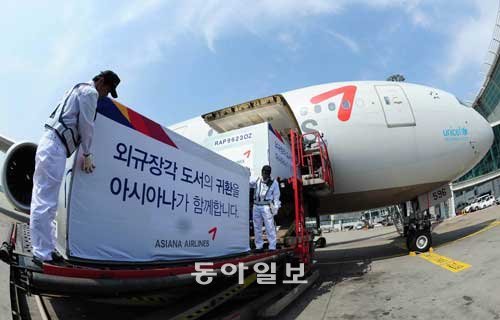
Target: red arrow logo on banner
247,153
214,231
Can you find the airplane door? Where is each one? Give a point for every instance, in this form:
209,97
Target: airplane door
397,108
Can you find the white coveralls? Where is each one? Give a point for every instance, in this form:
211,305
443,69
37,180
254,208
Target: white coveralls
265,207
50,163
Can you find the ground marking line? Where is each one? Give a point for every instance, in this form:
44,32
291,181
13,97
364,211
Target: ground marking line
398,245
488,227
444,262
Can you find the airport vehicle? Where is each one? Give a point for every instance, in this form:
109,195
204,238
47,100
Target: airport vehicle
474,205
483,202
486,202
468,208
388,142
490,201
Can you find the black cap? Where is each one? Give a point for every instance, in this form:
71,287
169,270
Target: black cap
266,169
112,79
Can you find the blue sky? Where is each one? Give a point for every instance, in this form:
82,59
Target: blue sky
179,59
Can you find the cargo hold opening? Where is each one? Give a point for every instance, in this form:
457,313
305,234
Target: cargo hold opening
273,109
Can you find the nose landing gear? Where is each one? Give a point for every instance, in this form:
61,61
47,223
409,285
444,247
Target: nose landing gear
419,241
416,227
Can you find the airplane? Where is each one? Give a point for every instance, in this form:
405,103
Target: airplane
388,142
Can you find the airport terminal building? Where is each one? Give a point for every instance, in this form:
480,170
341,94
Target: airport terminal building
484,178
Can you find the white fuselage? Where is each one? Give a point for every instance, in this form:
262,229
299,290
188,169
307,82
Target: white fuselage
388,141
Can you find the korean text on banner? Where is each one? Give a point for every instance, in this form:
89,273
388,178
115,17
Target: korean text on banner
155,195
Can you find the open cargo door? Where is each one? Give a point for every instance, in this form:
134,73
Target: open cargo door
273,109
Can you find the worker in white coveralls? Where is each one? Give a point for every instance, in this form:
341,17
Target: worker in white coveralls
69,126
265,207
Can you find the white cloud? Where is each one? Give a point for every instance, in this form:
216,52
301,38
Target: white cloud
414,9
289,41
420,18
348,42
214,19
79,38
63,54
470,39
137,9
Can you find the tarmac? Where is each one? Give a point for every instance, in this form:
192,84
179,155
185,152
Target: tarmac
367,274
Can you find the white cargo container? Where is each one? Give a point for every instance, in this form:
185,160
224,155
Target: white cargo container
254,147
154,196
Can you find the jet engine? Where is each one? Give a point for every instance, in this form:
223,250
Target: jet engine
17,174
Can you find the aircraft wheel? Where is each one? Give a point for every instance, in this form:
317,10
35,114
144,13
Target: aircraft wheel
421,241
321,242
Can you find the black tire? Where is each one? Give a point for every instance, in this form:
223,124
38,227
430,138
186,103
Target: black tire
321,242
420,241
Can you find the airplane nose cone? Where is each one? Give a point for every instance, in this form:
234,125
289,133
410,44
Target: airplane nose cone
484,135
488,136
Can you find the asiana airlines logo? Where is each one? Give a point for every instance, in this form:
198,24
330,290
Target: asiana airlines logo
345,108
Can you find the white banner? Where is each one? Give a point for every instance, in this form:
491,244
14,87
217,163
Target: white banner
242,155
280,156
254,147
151,200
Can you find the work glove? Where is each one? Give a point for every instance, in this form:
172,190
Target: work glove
274,210
88,163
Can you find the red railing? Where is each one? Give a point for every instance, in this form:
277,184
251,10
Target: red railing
307,160
301,234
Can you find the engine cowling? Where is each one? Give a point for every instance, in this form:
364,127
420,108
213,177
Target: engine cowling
17,174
